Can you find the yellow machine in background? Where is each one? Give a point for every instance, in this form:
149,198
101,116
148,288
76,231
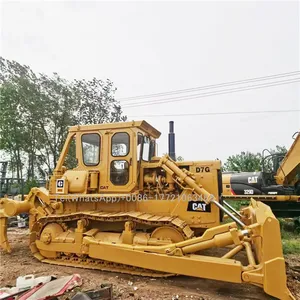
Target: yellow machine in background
278,184
124,209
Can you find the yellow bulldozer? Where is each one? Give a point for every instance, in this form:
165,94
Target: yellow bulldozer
124,209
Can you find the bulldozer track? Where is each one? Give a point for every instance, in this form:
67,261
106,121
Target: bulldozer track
137,217
89,263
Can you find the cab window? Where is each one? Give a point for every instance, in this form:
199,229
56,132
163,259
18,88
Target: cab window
120,144
139,146
146,149
119,172
71,160
91,149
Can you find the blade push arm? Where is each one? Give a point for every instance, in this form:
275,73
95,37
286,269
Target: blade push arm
170,167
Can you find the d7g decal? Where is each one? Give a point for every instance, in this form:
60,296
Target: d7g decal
198,206
202,169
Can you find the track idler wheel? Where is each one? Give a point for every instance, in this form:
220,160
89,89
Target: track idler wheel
167,233
48,234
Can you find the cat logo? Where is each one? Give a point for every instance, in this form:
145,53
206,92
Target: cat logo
252,179
198,206
60,184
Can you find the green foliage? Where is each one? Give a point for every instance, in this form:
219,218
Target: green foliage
36,110
290,236
278,149
29,184
251,162
238,205
291,246
97,103
244,162
297,224
11,124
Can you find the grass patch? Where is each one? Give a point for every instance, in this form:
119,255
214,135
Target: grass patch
291,246
238,204
290,237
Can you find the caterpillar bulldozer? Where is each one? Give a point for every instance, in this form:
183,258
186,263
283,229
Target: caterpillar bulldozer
124,209
278,184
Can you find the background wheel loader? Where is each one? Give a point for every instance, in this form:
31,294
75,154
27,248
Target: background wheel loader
124,209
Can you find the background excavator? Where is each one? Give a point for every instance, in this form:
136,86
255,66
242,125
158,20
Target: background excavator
124,209
278,184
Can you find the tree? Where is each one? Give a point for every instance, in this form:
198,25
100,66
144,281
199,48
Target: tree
97,103
251,162
244,162
36,110
39,110
11,127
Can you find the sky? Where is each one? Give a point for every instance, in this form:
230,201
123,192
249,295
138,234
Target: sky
153,47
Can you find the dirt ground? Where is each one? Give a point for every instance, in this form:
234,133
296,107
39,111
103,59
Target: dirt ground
21,263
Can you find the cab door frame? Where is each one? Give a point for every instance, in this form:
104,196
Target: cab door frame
130,158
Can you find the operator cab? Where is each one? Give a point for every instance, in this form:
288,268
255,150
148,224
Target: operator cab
108,157
270,165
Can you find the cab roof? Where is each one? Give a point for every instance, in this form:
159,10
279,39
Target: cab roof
142,125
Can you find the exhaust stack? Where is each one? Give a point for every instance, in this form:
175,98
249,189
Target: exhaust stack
172,141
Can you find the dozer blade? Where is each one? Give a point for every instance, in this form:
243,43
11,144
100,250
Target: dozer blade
266,242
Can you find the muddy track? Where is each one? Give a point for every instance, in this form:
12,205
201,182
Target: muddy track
21,262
